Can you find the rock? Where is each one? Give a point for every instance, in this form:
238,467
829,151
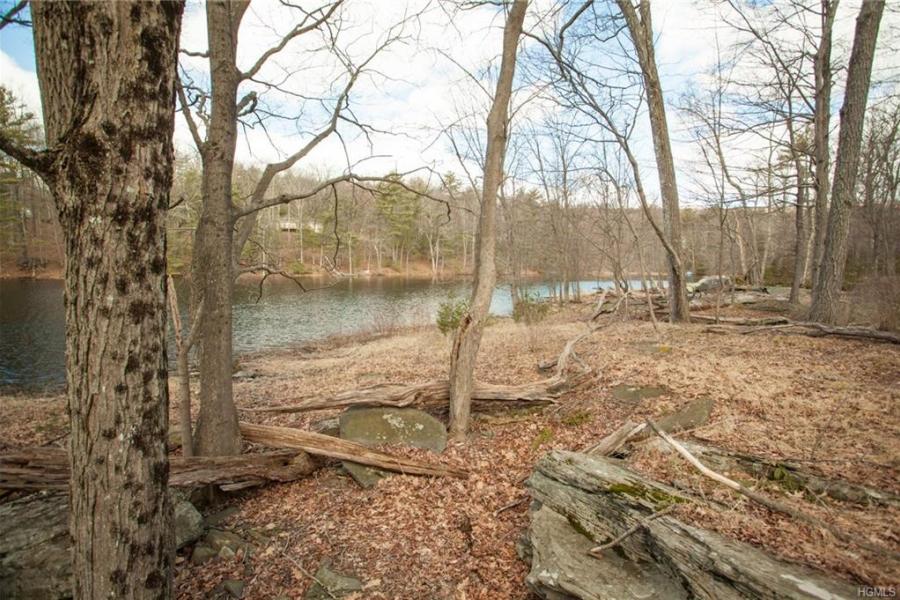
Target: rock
218,539
226,553
403,426
601,500
202,554
35,548
217,518
233,588
330,584
633,394
562,568
693,415
330,426
188,523
712,284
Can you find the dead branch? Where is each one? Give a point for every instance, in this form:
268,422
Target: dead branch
772,505
597,550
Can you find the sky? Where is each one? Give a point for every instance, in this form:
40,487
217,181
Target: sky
421,83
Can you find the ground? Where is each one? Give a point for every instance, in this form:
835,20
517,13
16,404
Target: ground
828,403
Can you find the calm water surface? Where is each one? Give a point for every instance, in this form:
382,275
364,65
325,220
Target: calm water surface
32,320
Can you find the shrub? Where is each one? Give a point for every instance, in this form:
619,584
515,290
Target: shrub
529,309
450,312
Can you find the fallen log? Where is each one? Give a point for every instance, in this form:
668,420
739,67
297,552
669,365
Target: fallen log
814,330
600,500
48,468
791,476
325,445
432,394
35,548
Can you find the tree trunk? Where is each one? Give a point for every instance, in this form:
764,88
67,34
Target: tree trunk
217,431
829,280
641,30
822,120
801,236
468,335
107,75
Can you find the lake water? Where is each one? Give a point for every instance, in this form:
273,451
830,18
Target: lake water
32,319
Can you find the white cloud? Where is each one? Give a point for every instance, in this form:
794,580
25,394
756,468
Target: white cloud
22,83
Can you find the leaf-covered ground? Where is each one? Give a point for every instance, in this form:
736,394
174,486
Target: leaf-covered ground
828,403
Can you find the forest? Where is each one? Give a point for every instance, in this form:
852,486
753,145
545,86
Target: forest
449,299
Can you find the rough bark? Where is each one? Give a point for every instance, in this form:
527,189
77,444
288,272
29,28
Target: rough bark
468,336
47,469
107,73
830,278
641,31
212,276
602,500
35,549
821,123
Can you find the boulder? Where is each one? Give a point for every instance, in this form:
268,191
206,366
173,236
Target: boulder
601,500
188,523
329,585
384,425
712,284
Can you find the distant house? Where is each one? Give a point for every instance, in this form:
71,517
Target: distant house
288,226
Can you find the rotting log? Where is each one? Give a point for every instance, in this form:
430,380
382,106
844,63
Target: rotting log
790,476
48,468
332,447
601,500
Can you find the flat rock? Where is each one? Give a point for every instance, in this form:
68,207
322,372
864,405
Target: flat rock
202,554
331,584
218,539
695,414
562,568
633,394
402,426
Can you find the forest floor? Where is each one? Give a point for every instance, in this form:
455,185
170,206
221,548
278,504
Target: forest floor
828,403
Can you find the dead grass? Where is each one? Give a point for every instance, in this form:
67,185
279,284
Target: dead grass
832,404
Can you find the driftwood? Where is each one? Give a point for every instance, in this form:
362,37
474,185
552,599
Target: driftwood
325,445
596,500
48,468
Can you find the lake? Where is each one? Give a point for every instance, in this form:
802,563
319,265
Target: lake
32,319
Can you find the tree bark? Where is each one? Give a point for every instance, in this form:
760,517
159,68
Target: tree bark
107,78
829,280
468,336
217,432
821,123
641,30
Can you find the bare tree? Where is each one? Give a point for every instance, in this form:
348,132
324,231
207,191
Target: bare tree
827,288
109,118
468,336
225,226
641,29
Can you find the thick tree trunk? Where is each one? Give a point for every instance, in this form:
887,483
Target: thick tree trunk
822,121
107,74
217,431
468,335
641,30
830,278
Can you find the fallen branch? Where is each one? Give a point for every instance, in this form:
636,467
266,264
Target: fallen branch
773,505
332,447
810,329
597,550
615,440
48,468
